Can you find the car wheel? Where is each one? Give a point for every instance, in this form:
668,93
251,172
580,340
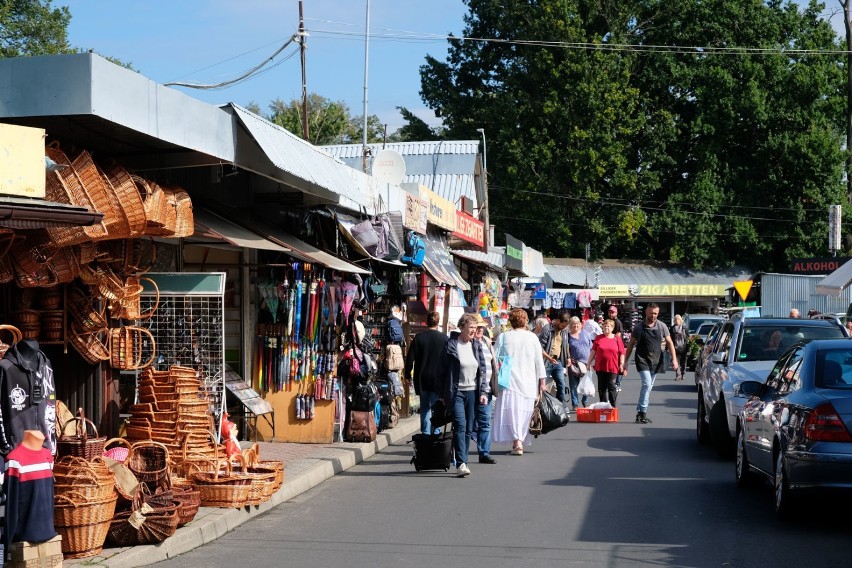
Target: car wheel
720,436
742,468
785,503
701,430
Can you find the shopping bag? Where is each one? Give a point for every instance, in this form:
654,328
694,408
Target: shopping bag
504,364
553,413
586,387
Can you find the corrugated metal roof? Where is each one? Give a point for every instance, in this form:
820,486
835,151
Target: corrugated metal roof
652,275
445,167
292,155
492,259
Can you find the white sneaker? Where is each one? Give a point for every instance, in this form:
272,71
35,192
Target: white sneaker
462,470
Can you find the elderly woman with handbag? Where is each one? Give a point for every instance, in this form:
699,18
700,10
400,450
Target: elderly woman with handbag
579,348
520,349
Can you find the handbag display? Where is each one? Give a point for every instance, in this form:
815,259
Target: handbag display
361,426
504,364
409,284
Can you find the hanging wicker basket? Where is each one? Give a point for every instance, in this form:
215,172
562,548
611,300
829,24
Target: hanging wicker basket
88,344
129,306
88,316
127,345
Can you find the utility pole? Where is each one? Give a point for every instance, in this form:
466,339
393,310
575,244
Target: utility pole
366,67
302,47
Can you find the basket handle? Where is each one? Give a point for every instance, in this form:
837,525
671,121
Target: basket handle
16,333
66,496
120,441
148,363
156,301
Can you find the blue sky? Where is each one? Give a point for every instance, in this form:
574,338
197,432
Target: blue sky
210,41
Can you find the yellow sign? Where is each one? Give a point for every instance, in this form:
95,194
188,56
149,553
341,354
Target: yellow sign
743,287
439,211
22,161
613,290
682,290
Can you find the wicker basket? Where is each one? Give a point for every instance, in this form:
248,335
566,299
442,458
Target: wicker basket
33,252
15,334
222,489
80,538
64,186
159,525
65,264
149,462
190,500
184,219
129,306
7,271
252,457
126,346
88,317
127,197
80,445
102,194
88,344
119,452
50,298
52,326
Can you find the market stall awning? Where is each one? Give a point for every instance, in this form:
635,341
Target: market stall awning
210,226
28,213
836,282
490,260
439,262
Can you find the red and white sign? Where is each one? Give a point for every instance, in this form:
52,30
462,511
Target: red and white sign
469,229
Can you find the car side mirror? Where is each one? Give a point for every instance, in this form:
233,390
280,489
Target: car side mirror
750,388
719,358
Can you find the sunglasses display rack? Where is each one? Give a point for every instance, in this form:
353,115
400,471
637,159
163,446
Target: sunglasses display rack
187,326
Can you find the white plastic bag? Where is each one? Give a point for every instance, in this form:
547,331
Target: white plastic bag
586,387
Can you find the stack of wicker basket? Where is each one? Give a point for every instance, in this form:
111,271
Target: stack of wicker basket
84,504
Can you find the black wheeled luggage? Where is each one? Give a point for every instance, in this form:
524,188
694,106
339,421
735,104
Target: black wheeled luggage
433,452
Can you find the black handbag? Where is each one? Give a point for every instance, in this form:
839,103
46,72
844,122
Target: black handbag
553,413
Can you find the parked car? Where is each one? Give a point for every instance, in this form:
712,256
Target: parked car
693,323
746,350
795,429
706,347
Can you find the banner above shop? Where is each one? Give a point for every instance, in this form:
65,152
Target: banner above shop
439,212
662,290
414,216
825,265
514,253
469,229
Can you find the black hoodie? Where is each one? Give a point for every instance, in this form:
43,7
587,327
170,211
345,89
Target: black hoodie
27,396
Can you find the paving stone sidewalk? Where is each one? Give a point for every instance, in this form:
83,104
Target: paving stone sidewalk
305,467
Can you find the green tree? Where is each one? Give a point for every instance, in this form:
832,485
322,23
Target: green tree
329,121
33,27
700,157
415,129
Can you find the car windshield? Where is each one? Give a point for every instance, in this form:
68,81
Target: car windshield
768,342
834,369
705,328
695,323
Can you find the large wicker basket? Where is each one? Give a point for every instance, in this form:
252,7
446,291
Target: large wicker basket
88,344
83,525
80,444
127,345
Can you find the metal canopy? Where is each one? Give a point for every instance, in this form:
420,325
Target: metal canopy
836,282
212,226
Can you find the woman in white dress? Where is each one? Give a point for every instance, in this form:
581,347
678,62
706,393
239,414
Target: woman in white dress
515,404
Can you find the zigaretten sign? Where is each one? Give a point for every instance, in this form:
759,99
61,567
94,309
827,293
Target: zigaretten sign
469,229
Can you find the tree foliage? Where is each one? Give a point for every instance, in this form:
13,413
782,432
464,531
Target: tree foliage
698,157
33,27
329,121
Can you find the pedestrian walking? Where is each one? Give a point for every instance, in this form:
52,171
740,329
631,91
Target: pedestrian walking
484,411
607,359
466,386
515,403
540,322
426,368
612,313
579,347
679,332
648,337
554,345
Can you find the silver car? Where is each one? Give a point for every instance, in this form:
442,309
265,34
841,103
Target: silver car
795,428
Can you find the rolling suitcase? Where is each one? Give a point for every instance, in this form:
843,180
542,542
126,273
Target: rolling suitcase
433,451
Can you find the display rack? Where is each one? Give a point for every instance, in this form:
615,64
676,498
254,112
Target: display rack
188,328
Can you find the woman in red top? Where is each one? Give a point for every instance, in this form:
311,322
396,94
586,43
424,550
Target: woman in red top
607,358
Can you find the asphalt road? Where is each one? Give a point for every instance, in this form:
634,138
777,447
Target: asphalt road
607,495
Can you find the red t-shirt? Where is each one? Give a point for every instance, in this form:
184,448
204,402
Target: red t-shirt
607,351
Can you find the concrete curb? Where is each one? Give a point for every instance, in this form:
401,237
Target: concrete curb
211,524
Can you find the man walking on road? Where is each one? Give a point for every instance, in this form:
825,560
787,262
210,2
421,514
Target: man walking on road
427,358
648,337
554,345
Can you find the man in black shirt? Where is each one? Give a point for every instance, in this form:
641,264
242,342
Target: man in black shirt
427,359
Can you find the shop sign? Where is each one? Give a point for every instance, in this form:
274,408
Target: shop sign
716,290
537,289
514,253
22,161
614,290
825,265
414,217
439,211
469,229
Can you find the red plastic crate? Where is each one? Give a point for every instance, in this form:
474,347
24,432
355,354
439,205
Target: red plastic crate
597,415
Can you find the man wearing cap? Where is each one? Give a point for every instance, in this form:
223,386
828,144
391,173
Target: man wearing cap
554,346
612,313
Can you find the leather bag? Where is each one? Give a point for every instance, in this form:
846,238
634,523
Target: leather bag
361,427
